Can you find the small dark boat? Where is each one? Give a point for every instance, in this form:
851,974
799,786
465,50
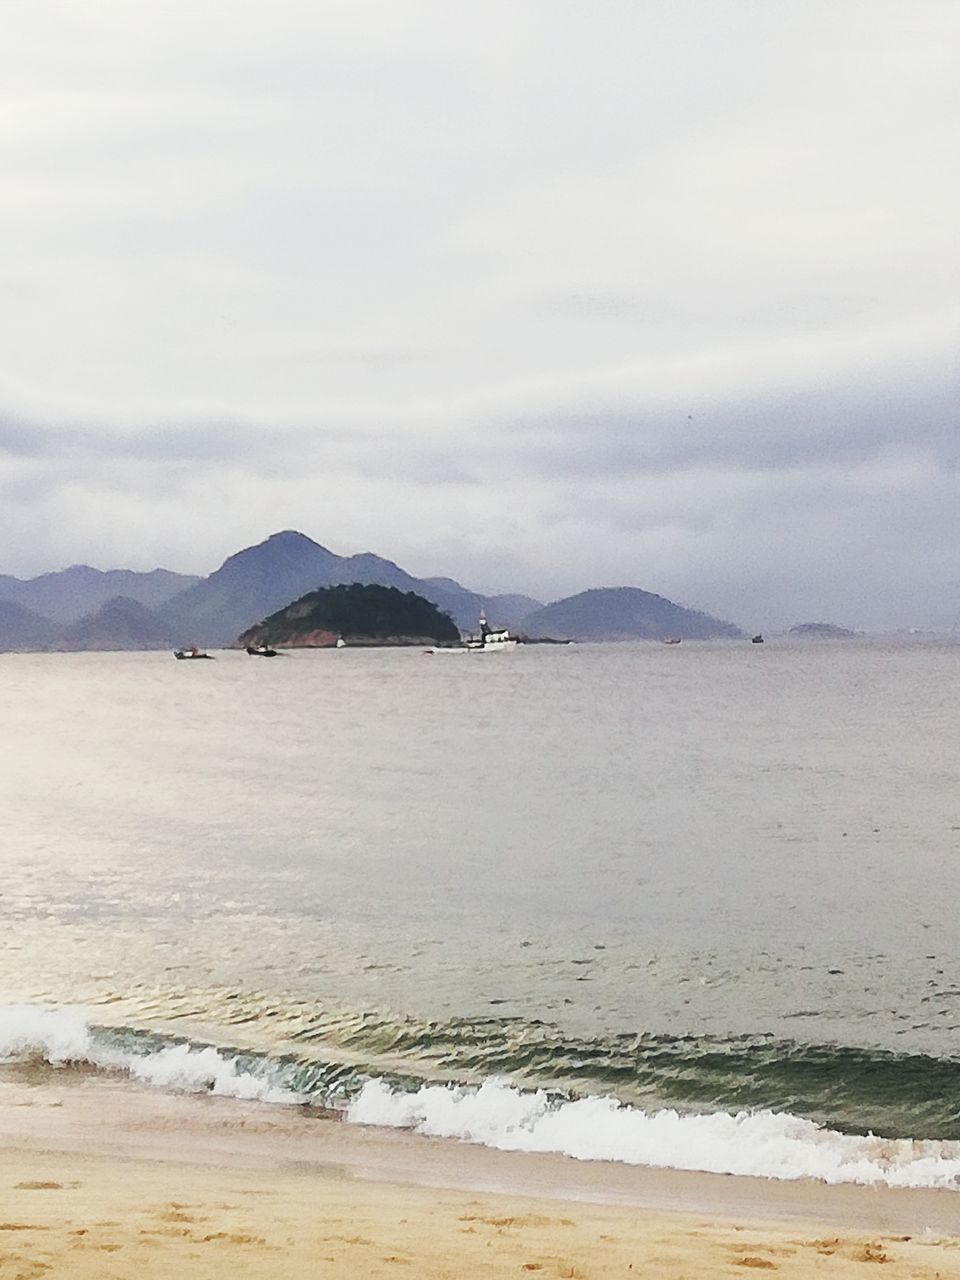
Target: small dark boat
757,639
261,651
670,640
187,655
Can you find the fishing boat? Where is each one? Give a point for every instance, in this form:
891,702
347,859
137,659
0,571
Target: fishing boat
757,639
670,640
187,655
261,651
487,640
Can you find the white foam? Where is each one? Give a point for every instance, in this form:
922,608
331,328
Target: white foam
29,1033
187,1070
763,1144
62,1036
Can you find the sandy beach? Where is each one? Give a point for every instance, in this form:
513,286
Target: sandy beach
101,1179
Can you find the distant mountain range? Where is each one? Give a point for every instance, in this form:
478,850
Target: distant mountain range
257,581
82,608
23,629
78,591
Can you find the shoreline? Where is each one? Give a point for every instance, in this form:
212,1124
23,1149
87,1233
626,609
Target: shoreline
208,1185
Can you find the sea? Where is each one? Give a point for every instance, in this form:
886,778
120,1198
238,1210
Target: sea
692,906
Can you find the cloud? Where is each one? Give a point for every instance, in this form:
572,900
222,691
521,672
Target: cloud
542,296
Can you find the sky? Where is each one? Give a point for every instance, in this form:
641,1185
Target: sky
541,294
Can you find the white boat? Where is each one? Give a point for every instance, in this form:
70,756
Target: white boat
487,640
490,641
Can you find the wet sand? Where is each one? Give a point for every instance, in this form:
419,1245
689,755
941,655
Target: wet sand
101,1179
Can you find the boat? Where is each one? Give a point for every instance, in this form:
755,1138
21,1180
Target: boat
670,640
487,640
187,655
757,639
261,651
341,643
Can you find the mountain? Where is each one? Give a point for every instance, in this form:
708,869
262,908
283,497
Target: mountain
259,580
21,629
362,615
463,605
247,587
511,610
73,593
624,613
120,624
121,609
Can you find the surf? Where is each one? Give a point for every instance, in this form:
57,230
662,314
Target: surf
496,1112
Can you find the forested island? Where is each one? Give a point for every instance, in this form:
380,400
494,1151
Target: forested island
358,614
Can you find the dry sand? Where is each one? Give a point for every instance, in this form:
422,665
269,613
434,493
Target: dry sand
106,1181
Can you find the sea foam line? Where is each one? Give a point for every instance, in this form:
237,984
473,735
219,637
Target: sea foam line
496,1114
764,1144
63,1036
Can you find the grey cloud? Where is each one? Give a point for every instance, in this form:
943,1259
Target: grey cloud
770,436
835,427
542,295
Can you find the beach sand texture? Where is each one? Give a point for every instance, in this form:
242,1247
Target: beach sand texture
111,1183
103,1218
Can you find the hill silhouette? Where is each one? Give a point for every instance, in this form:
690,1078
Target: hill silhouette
121,624
81,607
261,579
360,613
624,613
22,629
74,593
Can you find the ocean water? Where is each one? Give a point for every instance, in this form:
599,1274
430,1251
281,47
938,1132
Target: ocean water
691,906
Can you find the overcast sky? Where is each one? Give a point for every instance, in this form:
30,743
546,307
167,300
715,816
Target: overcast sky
540,294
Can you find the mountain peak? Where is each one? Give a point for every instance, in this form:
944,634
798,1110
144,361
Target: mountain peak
292,539
286,547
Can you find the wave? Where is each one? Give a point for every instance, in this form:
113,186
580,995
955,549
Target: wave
854,1089
495,1113
62,1037
763,1144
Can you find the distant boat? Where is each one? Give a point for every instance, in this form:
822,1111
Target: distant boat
341,643
670,640
757,639
486,641
491,641
187,655
261,651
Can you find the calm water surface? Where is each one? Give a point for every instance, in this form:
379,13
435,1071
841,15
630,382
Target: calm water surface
709,874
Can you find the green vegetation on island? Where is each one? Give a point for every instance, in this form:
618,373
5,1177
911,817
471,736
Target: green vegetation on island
260,579
360,614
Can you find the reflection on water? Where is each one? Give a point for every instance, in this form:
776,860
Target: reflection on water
706,840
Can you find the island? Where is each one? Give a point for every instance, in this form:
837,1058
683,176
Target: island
821,630
354,615
625,613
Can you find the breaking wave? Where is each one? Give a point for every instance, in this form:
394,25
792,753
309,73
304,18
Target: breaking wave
62,1037
762,1142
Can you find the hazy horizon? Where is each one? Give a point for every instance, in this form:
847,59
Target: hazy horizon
488,591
